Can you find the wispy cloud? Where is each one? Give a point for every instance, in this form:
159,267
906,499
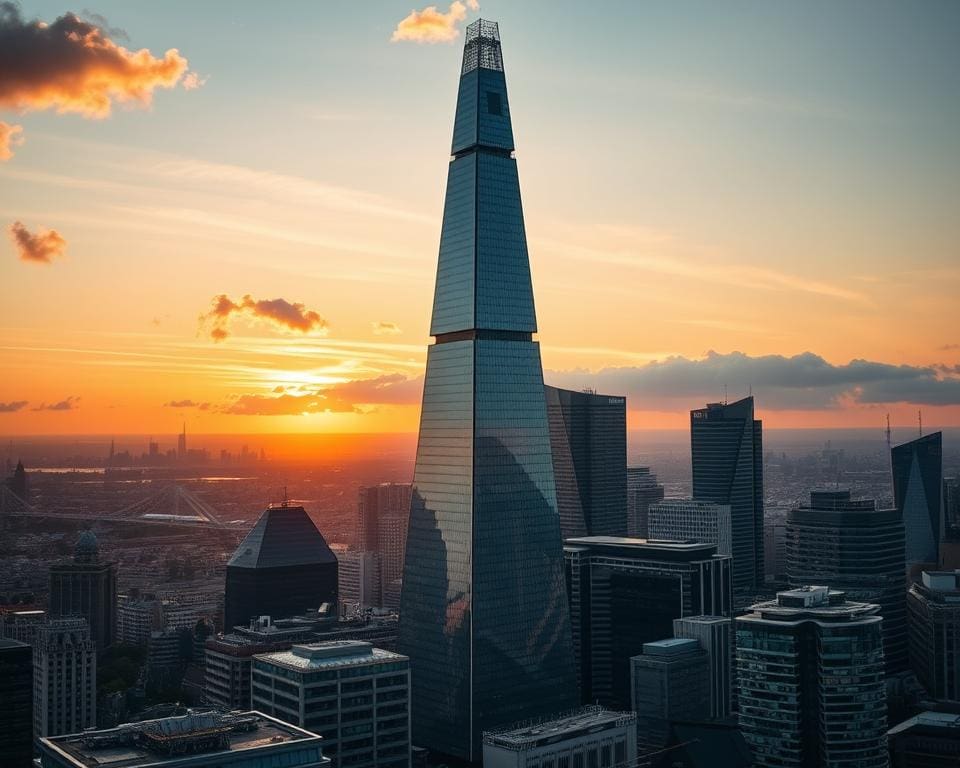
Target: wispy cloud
187,404
381,328
70,404
291,316
432,25
10,136
13,406
40,247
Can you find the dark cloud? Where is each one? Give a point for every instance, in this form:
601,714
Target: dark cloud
803,382
13,406
100,21
70,404
292,316
40,247
186,404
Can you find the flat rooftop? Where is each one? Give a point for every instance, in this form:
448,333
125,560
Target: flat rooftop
330,655
588,719
686,550
195,739
946,720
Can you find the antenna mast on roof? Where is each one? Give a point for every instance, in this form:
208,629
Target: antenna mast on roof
919,423
889,443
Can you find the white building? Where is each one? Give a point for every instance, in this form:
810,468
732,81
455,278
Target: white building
64,678
689,519
358,578
590,737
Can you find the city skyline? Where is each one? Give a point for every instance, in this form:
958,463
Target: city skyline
712,257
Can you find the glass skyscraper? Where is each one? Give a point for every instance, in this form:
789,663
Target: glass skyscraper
484,615
917,489
727,451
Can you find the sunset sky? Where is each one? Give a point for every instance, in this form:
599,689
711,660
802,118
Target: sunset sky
242,233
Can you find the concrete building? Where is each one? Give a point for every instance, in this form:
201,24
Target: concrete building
928,740
812,689
359,580
627,592
355,696
64,678
391,548
375,502
16,704
715,636
933,608
22,626
194,740
691,520
137,619
87,587
589,737
774,551
669,681
642,491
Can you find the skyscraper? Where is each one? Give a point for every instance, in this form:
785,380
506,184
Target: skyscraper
64,678
642,491
375,502
682,519
182,443
484,616
283,567
16,704
934,621
917,488
588,441
854,547
715,635
727,451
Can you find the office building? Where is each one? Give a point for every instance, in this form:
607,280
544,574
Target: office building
853,547
224,740
927,740
87,587
138,618
355,696
392,545
642,491
917,490
669,681
715,636
589,736
64,678
22,626
690,519
726,444
588,442
359,580
375,502
16,704
951,509
811,681
483,615
281,568
627,592
774,551
933,606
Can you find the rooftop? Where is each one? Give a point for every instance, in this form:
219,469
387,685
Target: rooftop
947,720
284,535
656,549
811,603
330,655
672,646
588,719
194,739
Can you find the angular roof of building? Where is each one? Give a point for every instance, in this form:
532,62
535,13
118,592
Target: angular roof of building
283,536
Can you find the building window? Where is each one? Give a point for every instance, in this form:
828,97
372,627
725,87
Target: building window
494,106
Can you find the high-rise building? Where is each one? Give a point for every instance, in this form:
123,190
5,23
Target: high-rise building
917,490
375,502
642,491
727,451
951,509
715,636
392,544
137,618
484,618
64,678
182,443
811,681
359,579
927,740
774,551
589,736
22,626
627,592
933,606
588,442
16,704
355,696
87,587
852,546
670,681
282,567
686,519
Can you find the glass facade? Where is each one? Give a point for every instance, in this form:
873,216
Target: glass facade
917,489
484,616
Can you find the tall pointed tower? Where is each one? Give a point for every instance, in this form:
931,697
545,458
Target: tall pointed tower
484,615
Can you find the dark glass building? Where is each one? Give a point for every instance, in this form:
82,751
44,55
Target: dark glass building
727,451
282,568
933,605
588,440
16,704
852,546
917,488
627,592
642,491
484,616
87,587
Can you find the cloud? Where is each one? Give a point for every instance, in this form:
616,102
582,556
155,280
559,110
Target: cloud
381,328
70,404
10,136
286,405
801,382
433,26
13,406
949,347
186,404
192,81
72,65
278,312
41,247
389,389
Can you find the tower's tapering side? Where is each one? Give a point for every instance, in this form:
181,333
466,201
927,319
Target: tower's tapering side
484,615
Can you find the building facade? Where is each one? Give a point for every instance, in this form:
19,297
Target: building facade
87,587
689,519
852,546
933,606
927,740
359,580
642,491
282,567
715,636
375,502
726,444
16,704
627,592
588,442
917,490
812,689
355,696
483,615
64,678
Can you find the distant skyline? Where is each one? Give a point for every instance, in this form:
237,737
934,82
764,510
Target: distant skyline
242,233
